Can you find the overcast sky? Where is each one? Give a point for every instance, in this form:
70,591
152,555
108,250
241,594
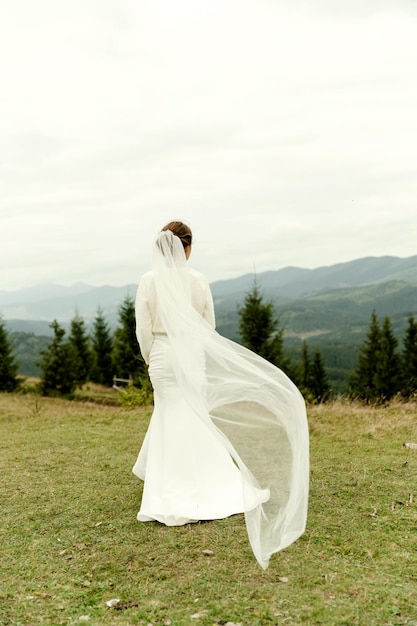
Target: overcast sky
283,131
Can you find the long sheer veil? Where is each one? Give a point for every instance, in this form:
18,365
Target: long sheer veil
254,409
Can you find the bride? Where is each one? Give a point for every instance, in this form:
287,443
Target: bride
229,431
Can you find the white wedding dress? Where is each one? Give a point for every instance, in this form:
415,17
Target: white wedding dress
188,473
228,432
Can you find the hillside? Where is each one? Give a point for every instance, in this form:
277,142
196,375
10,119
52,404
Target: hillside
286,286
292,283
341,309
71,541
330,307
341,314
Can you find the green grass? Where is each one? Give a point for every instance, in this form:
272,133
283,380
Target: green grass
69,539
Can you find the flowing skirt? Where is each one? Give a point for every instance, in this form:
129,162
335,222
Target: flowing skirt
189,474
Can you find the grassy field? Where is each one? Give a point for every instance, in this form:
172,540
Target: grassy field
70,541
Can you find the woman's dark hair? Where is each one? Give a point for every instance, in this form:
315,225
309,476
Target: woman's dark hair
182,231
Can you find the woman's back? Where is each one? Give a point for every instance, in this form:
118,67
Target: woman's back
148,320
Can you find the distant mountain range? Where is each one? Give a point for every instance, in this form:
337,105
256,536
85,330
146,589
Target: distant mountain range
331,302
33,309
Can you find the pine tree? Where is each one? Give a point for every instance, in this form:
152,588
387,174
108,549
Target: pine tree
362,383
78,339
387,375
377,377
319,382
305,371
409,360
102,370
259,327
313,380
127,360
58,365
8,366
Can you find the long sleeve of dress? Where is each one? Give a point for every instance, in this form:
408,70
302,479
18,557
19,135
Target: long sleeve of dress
208,312
144,324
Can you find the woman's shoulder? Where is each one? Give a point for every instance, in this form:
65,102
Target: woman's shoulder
197,276
146,277
145,281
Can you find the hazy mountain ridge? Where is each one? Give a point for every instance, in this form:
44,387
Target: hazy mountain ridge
41,292
309,301
84,299
292,283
